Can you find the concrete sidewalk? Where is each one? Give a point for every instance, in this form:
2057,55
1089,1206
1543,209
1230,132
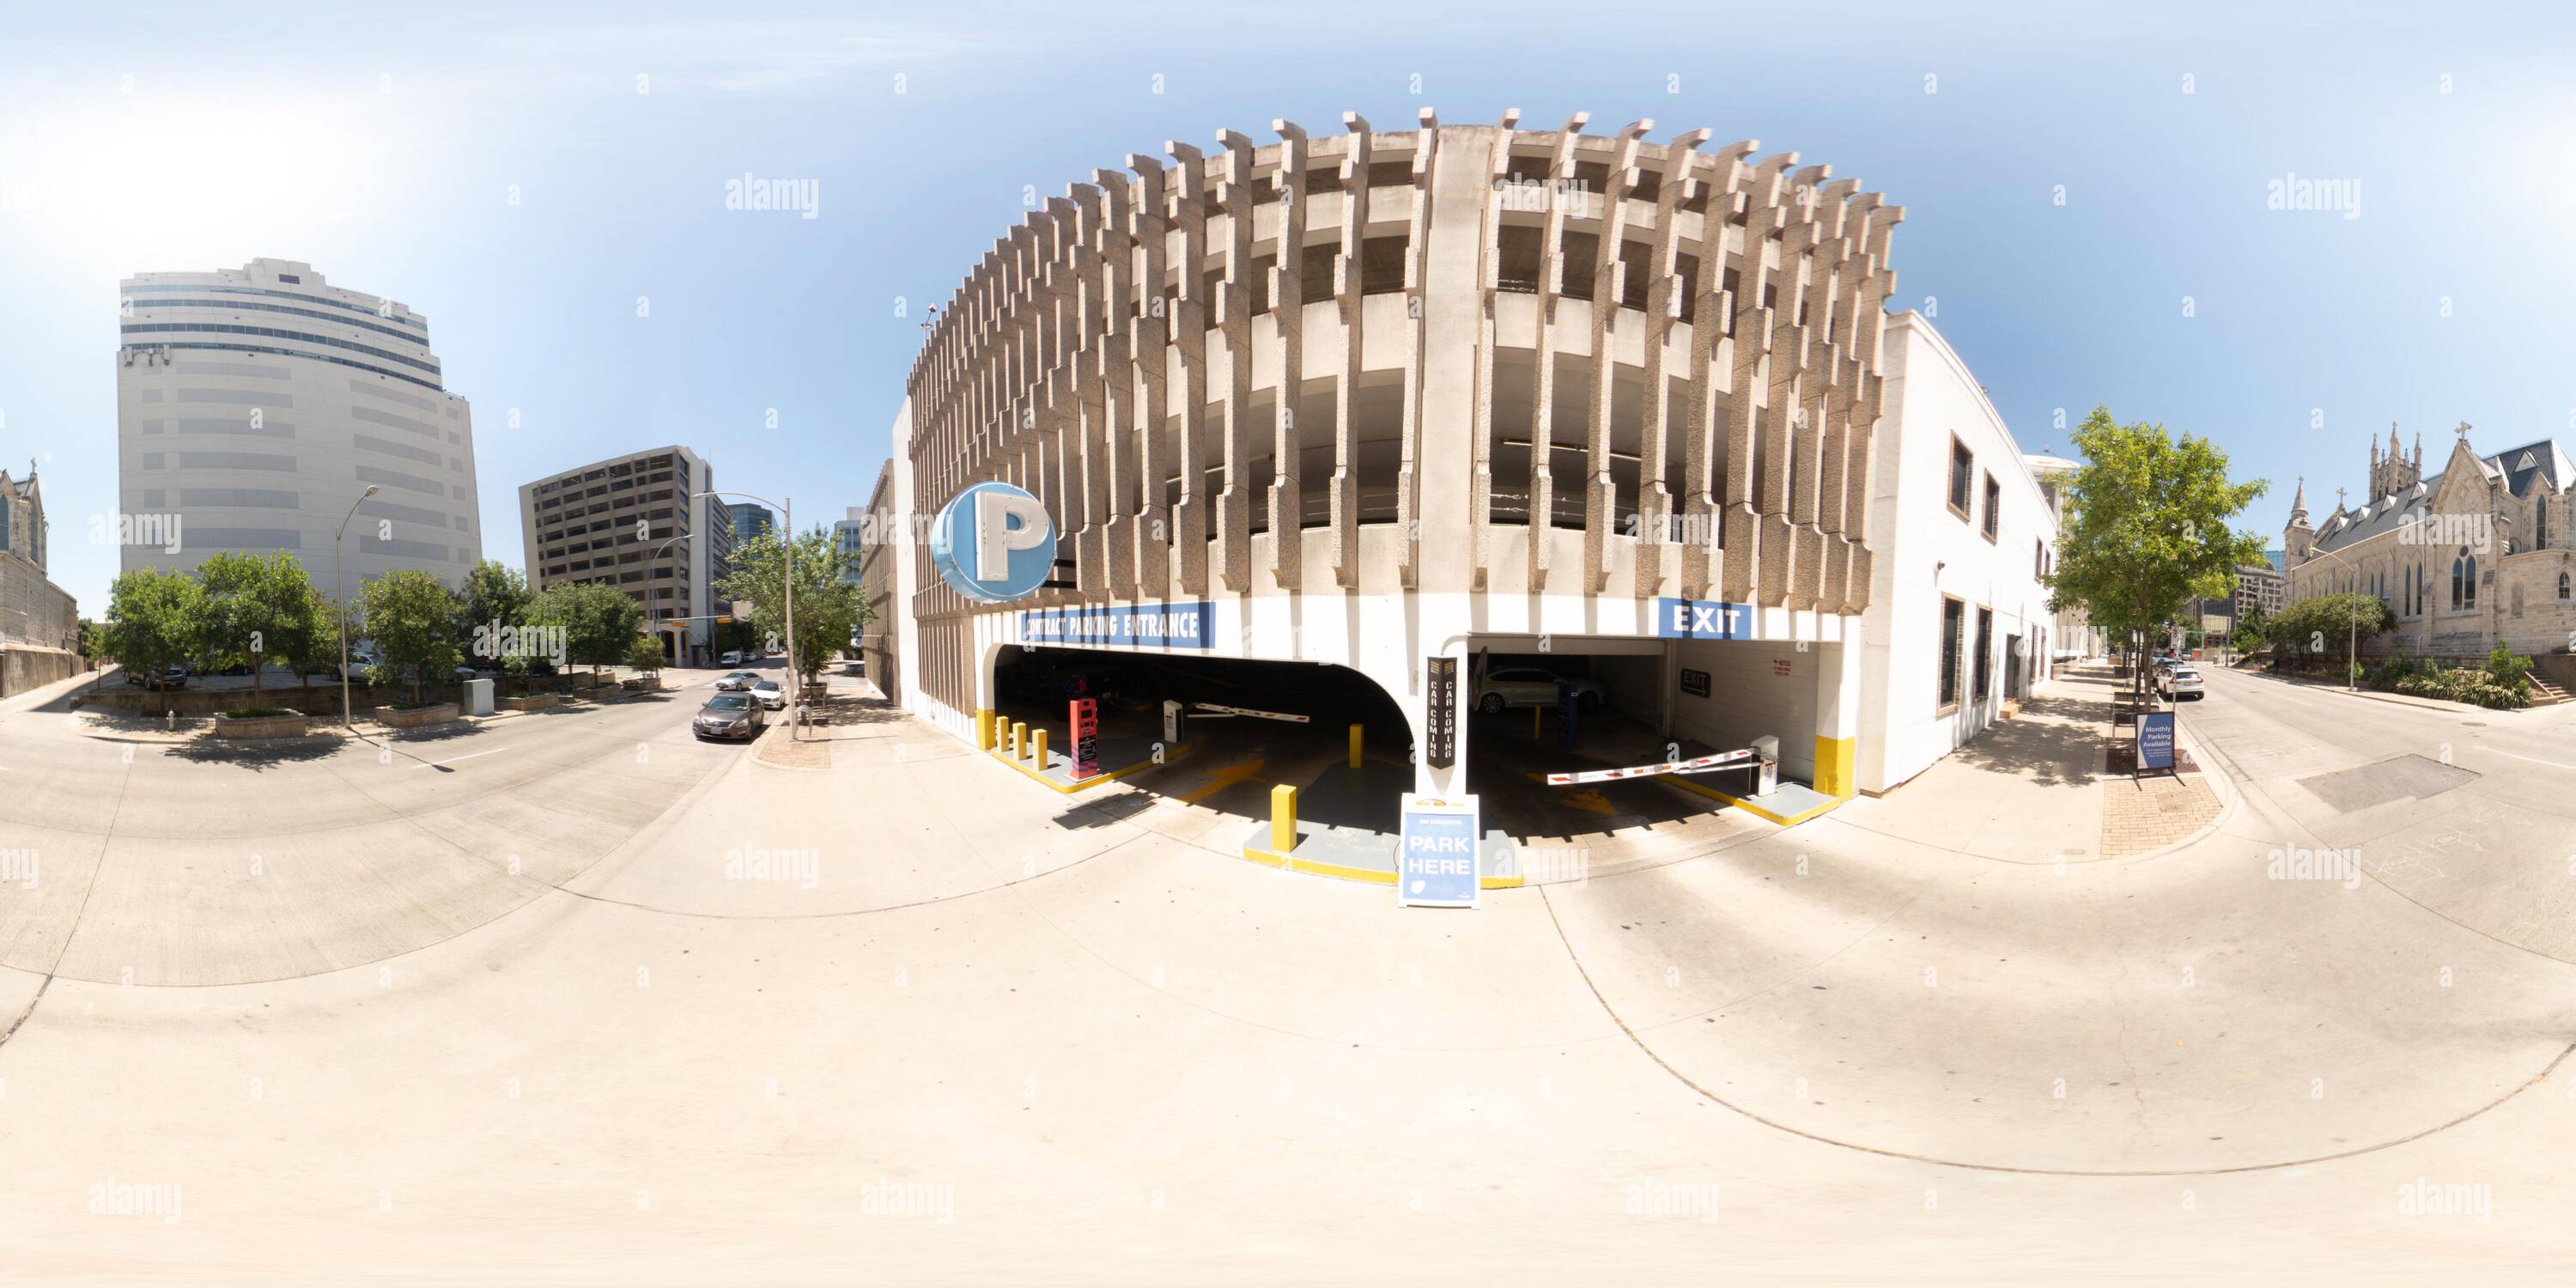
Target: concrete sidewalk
2036,788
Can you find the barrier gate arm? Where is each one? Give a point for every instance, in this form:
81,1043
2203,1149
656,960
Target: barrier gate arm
1696,765
1217,712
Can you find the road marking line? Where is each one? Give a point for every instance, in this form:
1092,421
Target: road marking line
453,759
2519,756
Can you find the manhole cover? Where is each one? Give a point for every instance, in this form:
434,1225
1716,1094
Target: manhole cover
2396,778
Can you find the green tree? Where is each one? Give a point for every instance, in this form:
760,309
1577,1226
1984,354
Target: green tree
151,622
412,619
829,607
89,639
597,620
2325,624
2146,528
494,593
2253,632
732,635
644,654
256,608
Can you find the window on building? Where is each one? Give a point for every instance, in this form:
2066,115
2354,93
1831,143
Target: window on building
1985,636
1994,507
1954,614
1963,470
2562,585
2039,558
2540,524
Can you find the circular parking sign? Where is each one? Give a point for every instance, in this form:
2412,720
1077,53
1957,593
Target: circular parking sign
993,543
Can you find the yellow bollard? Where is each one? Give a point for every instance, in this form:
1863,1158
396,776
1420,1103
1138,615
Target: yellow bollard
1019,740
1283,818
985,735
1037,738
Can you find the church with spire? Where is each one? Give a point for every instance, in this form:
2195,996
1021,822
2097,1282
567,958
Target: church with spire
2472,556
39,624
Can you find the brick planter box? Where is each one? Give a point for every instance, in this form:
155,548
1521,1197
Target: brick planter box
396,718
530,702
290,725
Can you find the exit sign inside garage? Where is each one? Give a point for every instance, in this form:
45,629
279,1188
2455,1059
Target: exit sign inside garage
1703,619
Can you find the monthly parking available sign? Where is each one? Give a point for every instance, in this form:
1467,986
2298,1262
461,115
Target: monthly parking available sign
1436,865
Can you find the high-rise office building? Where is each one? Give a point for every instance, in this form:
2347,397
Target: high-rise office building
750,520
255,405
639,523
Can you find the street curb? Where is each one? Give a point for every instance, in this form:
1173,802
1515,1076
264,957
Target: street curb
2394,699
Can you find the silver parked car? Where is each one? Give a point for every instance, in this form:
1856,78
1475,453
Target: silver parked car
736,681
730,715
2179,682
1530,686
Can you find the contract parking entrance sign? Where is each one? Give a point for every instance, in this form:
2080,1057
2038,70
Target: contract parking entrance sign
1436,862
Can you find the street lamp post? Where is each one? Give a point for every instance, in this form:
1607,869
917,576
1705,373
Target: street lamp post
2351,631
795,678
339,594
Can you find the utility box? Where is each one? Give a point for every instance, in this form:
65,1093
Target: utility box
1766,778
478,697
1175,724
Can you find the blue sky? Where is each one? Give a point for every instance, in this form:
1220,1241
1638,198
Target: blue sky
386,151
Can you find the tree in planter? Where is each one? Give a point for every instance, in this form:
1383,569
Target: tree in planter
829,607
320,654
2146,529
2253,632
597,620
644,655
412,619
255,608
494,592
151,622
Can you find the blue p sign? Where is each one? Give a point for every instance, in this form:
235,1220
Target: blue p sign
993,543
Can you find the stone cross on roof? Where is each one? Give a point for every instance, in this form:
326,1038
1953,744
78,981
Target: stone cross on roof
2462,431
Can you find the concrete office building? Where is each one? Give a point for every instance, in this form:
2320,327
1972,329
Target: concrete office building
39,623
635,522
255,404
1604,397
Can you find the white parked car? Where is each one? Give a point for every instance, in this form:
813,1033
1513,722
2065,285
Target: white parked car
770,695
1530,686
735,681
2179,682
733,658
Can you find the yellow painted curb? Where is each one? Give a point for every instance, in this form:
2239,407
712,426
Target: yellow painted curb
1003,754
1270,858
1784,820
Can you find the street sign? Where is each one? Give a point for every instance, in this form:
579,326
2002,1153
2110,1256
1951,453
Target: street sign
1441,716
1085,723
1436,863
2155,740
